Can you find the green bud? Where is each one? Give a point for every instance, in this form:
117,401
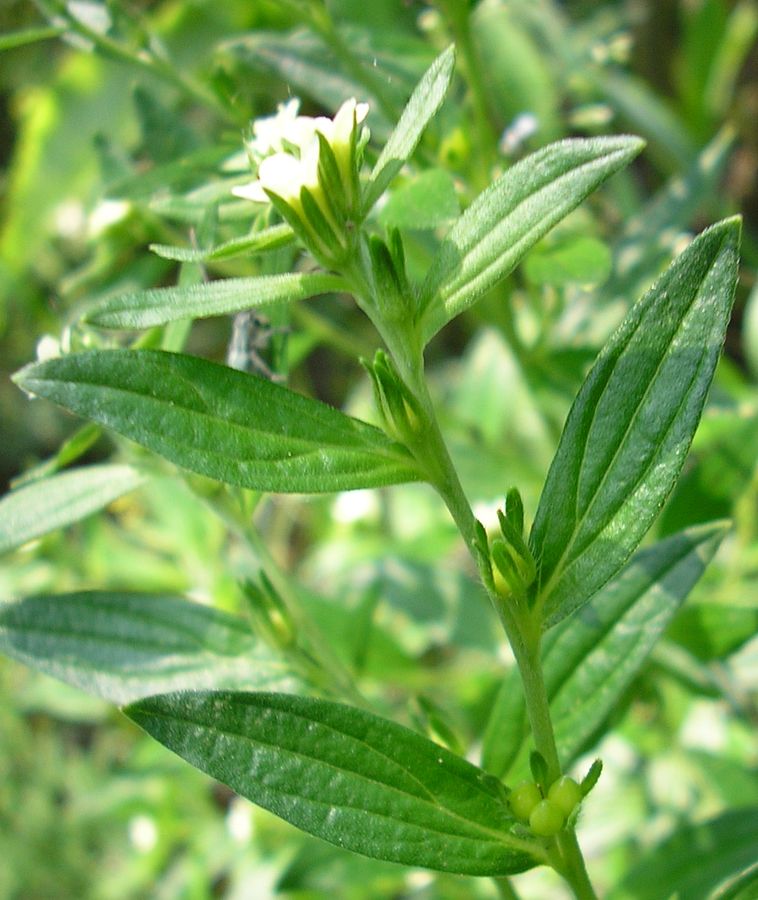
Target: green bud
546,819
523,799
566,794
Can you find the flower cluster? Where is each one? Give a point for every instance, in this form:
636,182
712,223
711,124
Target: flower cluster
308,167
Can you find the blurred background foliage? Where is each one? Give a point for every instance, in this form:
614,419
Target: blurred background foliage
122,125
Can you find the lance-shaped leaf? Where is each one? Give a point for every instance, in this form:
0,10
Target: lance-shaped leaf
347,776
42,506
259,241
590,659
145,309
510,216
631,425
228,425
423,104
124,646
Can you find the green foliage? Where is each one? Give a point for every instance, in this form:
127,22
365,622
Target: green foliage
498,228
228,425
360,782
631,425
282,643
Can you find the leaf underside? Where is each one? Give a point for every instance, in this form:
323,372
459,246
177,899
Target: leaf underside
124,646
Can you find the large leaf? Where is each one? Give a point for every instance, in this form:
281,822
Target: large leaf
510,216
694,859
42,506
631,425
228,425
157,306
345,775
590,659
423,104
124,646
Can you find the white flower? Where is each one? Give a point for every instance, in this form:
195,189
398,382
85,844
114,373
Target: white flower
286,149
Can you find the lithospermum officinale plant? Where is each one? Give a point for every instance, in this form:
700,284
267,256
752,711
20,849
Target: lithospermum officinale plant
275,717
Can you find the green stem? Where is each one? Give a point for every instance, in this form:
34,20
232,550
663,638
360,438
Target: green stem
575,871
505,889
522,625
485,135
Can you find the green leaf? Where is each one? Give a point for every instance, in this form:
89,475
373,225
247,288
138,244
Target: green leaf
42,506
425,100
630,427
257,242
228,425
578,259
510,216
590,659
345,775
125,646
144,309
694,860
424,202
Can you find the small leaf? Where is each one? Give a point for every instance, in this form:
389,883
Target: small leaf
124,646
590,659
694,859
510,216
158,306
49,503
228,425
345,775
257,242
426,201
425,100
629,430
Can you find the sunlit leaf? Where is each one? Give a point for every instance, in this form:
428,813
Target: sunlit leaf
228,425
632,423
158,306
510,216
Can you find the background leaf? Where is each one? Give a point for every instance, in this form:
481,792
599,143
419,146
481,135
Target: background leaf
631,425
696,858
510,216
228,425
42,506
426,201
590,660
345,775
124,646
158,306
